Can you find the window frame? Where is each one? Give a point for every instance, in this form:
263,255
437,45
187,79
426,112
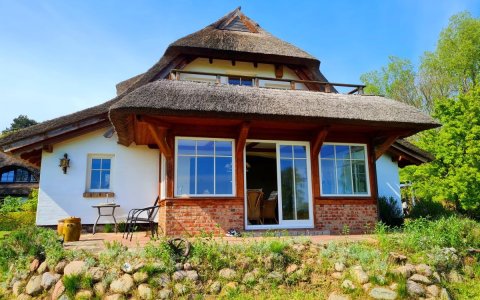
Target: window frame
367,172
233,194
89,172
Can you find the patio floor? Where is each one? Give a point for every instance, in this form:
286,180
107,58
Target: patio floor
96,242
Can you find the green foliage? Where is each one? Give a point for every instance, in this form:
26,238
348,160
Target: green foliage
107,228
11,204
454,176
427,208
277,246
20,122
16,220
73,283
16,212
389,210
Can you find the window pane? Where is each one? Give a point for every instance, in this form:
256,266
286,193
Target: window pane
105,180
246,82
342,152
234,80
95,179
359,177
186,147
96,163
7,176
185,175
286,167
300,151
21,175
223,148
223,175
329,183
205,175
344,177
205,147
286,151
327,151
358,152
301,189
106,162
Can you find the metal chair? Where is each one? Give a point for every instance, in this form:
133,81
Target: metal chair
142,215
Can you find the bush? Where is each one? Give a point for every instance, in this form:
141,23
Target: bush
429,209
11,204
390,213
16,220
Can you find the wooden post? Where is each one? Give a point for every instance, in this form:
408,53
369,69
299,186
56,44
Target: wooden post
328,88
239,167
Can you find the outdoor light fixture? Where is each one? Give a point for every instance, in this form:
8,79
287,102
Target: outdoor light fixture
64,163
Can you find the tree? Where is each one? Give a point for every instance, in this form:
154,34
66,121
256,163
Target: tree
454,175
22,121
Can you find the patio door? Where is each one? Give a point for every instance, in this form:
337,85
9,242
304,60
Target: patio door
294,207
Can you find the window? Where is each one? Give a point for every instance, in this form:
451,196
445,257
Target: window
240,81
100,167
343,170
16,174
204,167
8,176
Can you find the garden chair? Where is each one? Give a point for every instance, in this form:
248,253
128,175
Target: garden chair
254,199
269,208
142,215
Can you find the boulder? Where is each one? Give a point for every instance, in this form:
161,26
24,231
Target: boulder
96,273
335,296
424,270
291,268
140,277
84,294
34,265
58,290
34,285
18,287
60,267
100,289
420,279
359,275
382,293
192,275
405,271
227,274
145,292
179,275
339,267
49,279
180,288
122,285
348,285
433,291
215,287
415,289
76,267
165,294
42,268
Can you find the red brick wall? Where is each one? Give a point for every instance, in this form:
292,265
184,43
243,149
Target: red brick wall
195,216
360,218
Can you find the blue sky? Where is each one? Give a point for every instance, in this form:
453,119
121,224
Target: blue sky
58,57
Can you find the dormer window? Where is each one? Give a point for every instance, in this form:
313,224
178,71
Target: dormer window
232,80
16,174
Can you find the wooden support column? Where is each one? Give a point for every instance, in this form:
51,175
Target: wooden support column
241,140
383,147
316,145
319,139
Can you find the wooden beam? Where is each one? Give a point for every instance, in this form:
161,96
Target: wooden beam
319,139
382,148
278,71
158,135
242,136
153,121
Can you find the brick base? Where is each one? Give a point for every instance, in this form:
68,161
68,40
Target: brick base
358,218
195,216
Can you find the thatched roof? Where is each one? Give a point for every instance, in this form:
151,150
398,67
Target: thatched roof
167,97
10,161
412,154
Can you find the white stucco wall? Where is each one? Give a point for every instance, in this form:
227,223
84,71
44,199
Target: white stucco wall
134,179
388,178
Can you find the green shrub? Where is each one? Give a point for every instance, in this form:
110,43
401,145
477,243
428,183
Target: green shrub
277,246
73,283
16,220
390,213
12,204
429,209
107,228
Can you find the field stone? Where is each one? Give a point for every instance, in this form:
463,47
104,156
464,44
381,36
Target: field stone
114,297
34,265
415,289
275,276
165,294
397,258
383,293
179,275
187,266
216,287
140,277
180,288
58,290
339,267
366,287
436,277
231,285
444,295
145,292
76,267
227,273
433,290
359,275
127,268
96,273
34,285
420,279
84,294
42,268
162,280
348,285
337,275
405,271
291,268
122,285
394,286
192,275
249,277
24,297
100,289
335,296
49,279
454,277
18,287
178,266
424,270
60,267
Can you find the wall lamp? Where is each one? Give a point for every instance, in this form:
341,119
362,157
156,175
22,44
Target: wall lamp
64,163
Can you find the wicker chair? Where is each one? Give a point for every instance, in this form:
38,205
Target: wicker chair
269,208
254,200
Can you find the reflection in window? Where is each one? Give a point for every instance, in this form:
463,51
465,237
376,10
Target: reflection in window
240,81
100,169
16,174
204,167
343,169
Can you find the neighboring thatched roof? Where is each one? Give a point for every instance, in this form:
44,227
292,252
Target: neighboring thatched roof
188,98
9,161
413,154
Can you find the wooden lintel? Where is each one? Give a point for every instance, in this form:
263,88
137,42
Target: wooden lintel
383,147
319,139
158,135
48,148
242,136
153,121
278,71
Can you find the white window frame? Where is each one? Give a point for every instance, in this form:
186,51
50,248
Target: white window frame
89,171
367,171
177,195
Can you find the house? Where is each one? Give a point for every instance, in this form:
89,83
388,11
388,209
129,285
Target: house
17,178
232,128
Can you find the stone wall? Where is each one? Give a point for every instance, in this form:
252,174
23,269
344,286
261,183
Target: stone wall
358,218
